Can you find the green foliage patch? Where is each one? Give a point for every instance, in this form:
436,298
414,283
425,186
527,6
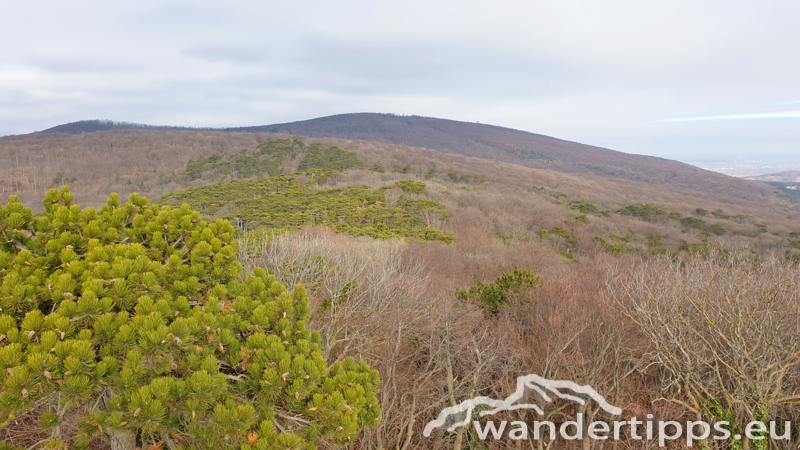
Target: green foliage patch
568,237
588,208
691,222
295,201
508,288
136,320
331,158
627,238
461,178
717,229
615,249
649,212
267,158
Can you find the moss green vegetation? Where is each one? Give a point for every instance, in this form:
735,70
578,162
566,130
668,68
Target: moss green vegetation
627,238
294,201
700,248
717,229
615,249
460,178
266,160
691,222
588,208
649,212
583,218
510,287
332,158
136,320
400,169
653,240
568,237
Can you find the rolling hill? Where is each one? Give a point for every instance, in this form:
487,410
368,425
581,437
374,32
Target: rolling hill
432,250
487,142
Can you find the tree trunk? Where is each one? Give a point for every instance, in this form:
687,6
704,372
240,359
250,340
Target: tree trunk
125,440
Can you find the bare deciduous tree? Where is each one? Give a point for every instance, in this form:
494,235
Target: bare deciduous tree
726,333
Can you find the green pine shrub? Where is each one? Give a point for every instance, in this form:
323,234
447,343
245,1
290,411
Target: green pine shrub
265,160
717,229
331,158
627,238
615,249
691,222
649,212
136,320
588,208
569,239
510,287
284,202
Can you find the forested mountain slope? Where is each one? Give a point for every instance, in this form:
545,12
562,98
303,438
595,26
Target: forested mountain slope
575,214
450,275
521,147
487,142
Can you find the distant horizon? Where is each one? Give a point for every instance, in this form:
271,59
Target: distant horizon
680,80
737,167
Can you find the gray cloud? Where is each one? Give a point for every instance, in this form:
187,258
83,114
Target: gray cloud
685,80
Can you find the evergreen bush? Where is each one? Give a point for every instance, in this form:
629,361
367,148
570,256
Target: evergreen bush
283,202
510,287
136,320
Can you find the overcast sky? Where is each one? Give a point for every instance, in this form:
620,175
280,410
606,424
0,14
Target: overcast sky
688,80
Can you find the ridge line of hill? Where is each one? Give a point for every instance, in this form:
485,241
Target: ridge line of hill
487,142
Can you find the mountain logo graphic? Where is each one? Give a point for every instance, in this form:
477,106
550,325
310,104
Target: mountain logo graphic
527,385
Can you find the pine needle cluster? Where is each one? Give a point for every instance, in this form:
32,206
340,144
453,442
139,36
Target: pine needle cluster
137,320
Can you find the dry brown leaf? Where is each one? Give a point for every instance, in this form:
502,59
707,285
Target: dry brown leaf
252,437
